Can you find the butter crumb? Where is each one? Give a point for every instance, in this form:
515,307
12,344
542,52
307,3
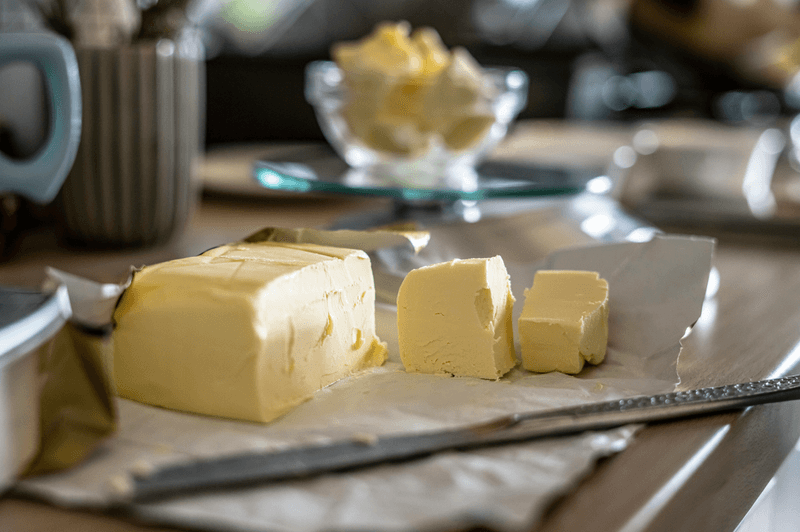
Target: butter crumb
121,485
364,438
142,468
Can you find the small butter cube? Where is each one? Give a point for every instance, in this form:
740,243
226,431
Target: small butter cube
435,56
388,51
466,131
409,93
245,331
564,321
458,88
455,318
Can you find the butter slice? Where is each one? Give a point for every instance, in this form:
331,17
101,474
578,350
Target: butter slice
564,321
455,318
247,330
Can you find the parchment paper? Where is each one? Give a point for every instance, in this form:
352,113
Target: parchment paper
656,293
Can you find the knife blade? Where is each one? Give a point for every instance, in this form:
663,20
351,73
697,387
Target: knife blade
306,461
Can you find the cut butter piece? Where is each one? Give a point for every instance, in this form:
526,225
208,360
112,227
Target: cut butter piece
564,321
455,318
245,331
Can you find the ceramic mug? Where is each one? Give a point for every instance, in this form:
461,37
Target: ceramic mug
134,180
40,177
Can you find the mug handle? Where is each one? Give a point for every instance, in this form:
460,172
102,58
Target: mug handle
40,178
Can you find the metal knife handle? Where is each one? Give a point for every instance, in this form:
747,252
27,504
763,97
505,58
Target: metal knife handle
311,460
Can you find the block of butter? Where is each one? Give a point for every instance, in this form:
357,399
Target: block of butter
246,330
564,321
455,318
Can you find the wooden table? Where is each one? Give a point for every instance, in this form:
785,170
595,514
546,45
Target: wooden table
705,474
702,474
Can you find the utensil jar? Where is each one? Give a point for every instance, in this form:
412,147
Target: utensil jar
133,182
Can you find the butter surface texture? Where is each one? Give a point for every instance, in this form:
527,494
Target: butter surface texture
245,331
410,91
564,321
455,318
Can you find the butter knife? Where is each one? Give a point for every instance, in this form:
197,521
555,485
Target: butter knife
362,451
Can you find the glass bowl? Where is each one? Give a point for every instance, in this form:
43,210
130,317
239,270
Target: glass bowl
424,138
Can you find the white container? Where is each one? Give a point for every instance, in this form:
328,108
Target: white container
28,319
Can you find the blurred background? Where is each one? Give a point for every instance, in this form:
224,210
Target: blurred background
728,60
731,65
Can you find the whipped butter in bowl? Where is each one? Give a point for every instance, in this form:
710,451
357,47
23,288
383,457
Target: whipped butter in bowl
404,105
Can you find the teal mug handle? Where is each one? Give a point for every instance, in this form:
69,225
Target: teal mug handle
40,178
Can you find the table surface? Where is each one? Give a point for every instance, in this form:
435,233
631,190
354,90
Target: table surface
699,474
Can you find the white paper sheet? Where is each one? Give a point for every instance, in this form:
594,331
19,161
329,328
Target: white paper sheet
656,293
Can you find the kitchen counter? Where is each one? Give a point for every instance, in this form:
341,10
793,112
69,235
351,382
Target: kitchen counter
700,474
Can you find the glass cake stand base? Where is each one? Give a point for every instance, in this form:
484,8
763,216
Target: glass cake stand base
317,169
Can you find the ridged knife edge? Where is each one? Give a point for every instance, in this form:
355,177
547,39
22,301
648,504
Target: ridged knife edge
299,462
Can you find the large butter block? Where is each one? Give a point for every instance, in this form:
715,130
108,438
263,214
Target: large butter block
455,318
564,321
245,331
